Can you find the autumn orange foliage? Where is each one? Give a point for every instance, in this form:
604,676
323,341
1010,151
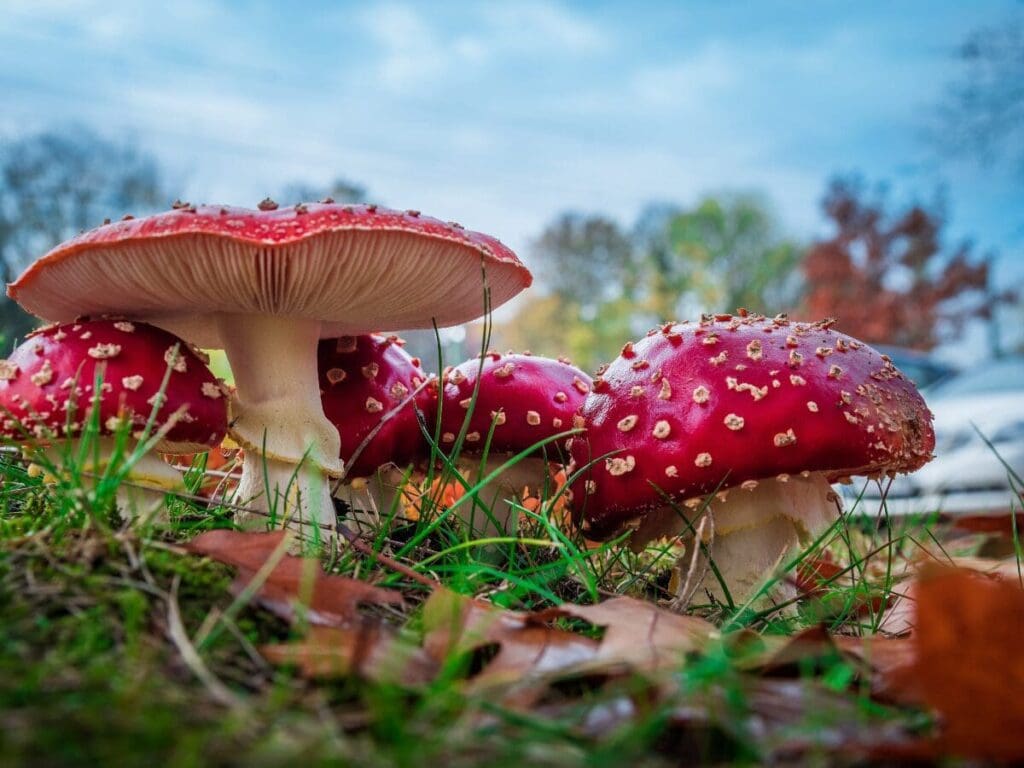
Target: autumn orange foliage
887,279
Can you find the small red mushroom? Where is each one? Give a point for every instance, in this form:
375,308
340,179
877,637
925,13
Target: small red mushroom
47,395
767,412
370,389
525,399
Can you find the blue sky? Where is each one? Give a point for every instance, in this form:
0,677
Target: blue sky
501,114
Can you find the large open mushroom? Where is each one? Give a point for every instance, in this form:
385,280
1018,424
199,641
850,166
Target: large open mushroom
265,286
764,412
48,395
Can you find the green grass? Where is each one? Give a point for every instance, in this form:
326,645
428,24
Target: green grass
89,671
117,647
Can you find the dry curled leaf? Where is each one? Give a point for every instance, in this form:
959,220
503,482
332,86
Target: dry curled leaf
295,584
366,650
638,637
637,633
457,624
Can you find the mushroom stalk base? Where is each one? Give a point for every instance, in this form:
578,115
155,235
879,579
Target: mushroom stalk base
291,449
498,499
372,500
275,493
757,532
142,493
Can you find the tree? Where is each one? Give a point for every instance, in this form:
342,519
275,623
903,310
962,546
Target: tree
55,184
886,277
983,116
582,307
584,259
982,119
723,254
551,326
605,285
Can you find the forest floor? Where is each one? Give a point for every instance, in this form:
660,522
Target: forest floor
182,642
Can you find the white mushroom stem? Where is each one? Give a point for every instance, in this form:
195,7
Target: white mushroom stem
277,410
278,493
757,531
142,492
494,510
372,499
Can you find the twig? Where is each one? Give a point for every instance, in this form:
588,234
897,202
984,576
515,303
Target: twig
692,581
353,539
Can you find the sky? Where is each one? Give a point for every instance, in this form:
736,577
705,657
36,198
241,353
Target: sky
501,114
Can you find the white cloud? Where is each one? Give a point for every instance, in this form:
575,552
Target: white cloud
206,110
415,49
689,82
410,52
544,24
496,115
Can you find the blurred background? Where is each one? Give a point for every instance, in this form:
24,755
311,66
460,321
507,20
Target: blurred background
649,162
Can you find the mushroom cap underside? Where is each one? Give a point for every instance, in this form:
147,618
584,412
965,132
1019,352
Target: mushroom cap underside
355,268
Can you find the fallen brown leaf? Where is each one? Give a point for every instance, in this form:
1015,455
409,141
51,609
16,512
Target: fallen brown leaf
1008,569
638,633
295,584
367,650
529,653
967,663
1004,525
813,575
779,655
901,614
457,624
885,658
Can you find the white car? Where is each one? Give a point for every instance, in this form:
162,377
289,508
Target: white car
968,475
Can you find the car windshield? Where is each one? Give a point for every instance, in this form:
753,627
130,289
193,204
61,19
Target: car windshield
1001,376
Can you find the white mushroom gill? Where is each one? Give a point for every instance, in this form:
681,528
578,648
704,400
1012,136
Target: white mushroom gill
291,449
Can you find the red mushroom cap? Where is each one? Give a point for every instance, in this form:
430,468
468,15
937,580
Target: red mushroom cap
532,398
60,363
731,399
362,378
354,267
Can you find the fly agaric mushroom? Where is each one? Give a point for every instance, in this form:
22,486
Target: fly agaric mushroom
765,412
527,399
266,286
370,388
47,394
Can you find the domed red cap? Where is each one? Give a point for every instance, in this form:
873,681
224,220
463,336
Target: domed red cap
698,406
362,378
532,398
55,369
